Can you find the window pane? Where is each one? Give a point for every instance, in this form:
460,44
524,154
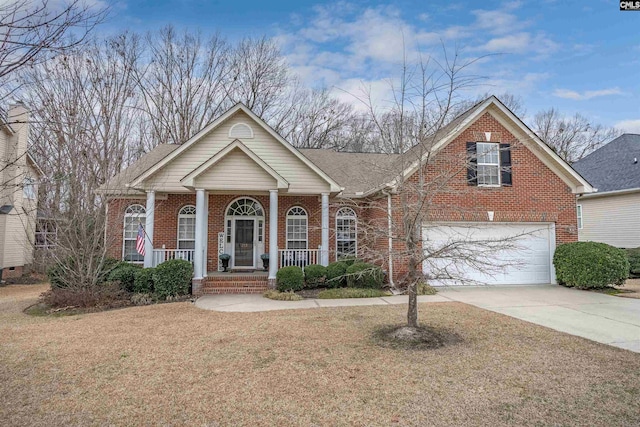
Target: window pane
186,244
130,253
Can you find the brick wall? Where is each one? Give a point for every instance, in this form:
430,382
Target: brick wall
537,193
166,220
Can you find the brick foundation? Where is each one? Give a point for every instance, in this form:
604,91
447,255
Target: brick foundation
13,272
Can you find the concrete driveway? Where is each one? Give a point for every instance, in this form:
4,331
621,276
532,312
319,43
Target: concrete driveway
598,317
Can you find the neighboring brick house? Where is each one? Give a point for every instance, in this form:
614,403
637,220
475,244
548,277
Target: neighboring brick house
238,187
18,193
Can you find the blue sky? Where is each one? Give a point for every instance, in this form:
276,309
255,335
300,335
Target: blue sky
578,56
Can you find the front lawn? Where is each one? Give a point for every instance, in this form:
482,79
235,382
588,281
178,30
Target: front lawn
174,364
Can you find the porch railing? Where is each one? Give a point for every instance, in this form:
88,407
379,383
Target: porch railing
162,255
299,257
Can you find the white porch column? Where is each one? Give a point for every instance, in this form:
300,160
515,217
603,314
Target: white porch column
205,234
273,234
198,256
325,230
148,228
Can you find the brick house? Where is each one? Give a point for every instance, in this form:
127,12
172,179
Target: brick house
237,187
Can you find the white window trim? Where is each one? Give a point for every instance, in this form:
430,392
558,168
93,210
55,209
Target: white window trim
28,188
306,230
237,125
580,217
128,214
478,164
182,216
353,217
229,220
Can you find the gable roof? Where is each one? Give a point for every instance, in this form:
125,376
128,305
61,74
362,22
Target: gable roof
189,179
357,173
418,155
119,184
614,166
238,107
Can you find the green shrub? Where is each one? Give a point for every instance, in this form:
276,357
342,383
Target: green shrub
352,293
143,281
336,274
290,278
590,265
59,272
363,275
124,273
282,296
350,260
56,272
426,289
314,275
633,255
172,278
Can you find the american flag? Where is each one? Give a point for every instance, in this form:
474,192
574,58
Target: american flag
140,240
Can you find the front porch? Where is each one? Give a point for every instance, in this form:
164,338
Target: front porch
290,229
239,281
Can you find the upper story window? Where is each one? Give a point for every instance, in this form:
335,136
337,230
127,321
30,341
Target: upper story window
489,164
29,188
488,157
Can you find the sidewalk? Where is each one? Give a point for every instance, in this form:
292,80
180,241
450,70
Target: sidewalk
250,303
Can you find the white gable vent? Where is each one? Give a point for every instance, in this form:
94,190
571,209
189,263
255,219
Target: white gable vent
240,131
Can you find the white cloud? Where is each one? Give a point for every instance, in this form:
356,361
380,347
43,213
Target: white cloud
632,126
522,43
586,95
497,21
346,46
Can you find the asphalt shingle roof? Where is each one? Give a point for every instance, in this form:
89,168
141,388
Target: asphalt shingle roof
356,172
615,166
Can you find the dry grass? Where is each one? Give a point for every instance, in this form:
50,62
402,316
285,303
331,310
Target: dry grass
173,364
631,289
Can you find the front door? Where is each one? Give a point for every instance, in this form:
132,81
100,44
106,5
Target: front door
243,245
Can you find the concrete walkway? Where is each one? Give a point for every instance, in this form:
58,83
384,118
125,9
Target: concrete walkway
598,317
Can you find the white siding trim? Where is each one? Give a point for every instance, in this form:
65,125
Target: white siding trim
189,179
335,187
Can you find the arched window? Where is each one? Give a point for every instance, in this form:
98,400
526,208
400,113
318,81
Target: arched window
187,227
346,233
297,228
134,215
245,207
241,130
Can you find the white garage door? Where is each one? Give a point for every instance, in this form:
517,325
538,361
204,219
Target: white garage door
505,253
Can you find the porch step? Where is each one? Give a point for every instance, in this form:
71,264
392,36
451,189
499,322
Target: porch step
235,284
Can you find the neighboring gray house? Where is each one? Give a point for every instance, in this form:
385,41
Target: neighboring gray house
612,215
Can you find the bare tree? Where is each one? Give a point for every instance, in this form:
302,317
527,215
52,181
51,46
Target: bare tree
31,31
573,137
85,105
260,77
513,102
317,120
425,181
184,84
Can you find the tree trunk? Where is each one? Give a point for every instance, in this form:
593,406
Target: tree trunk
412,312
